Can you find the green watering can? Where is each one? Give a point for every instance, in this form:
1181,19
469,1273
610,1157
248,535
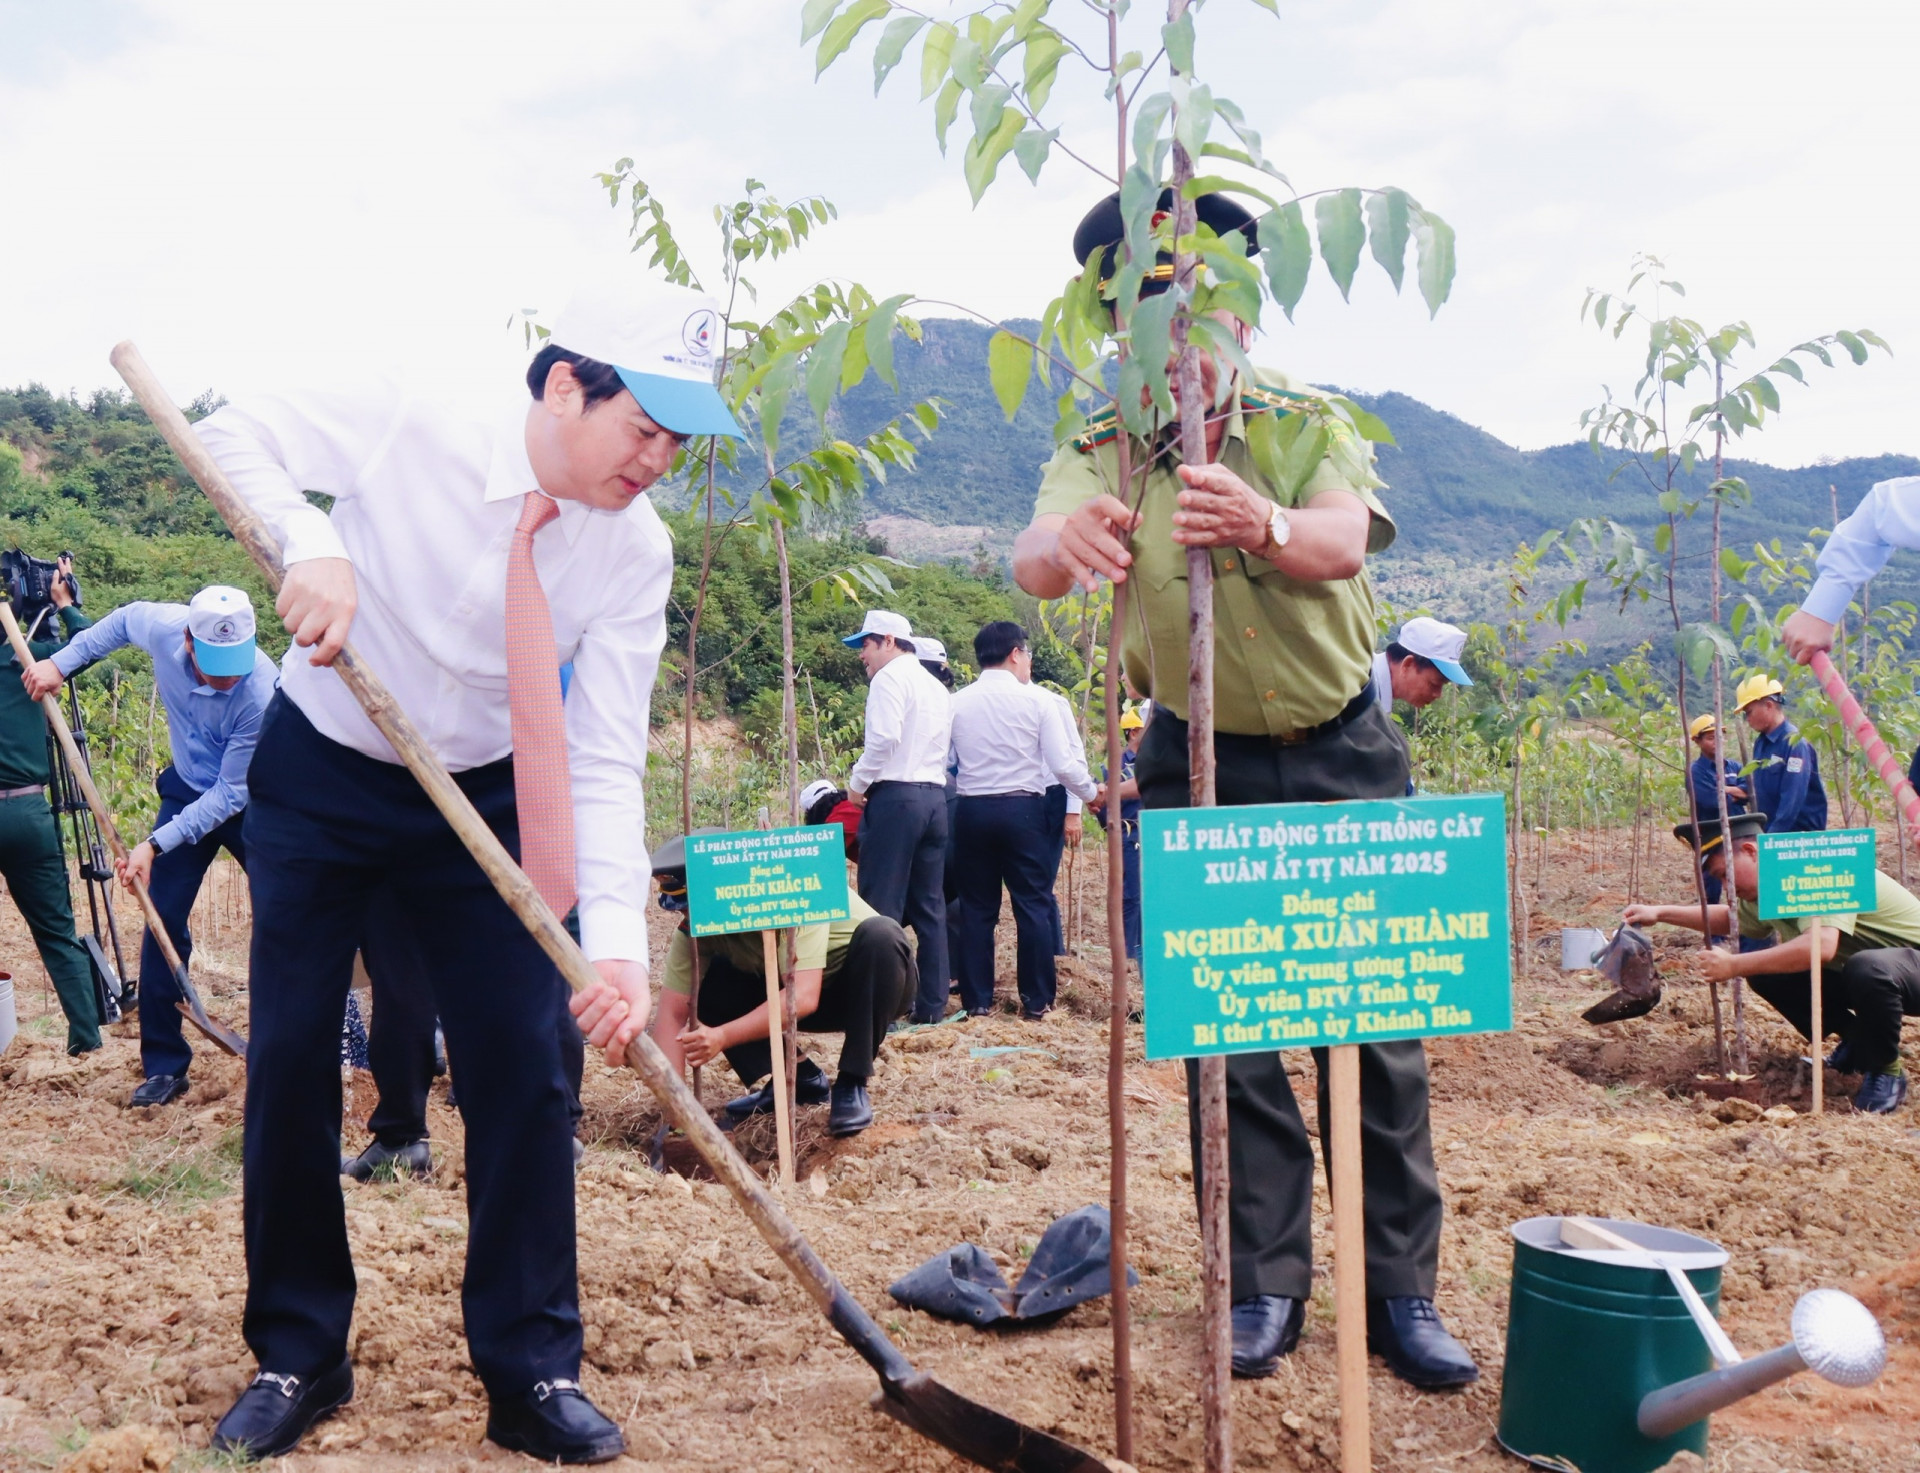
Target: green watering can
1614,1357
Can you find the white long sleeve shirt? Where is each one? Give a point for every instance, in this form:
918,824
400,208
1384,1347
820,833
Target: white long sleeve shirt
425,502
1887,517
1010,738
909,725
1063,708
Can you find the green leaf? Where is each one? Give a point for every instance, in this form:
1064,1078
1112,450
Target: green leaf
1045,51
1177,37
1856,349
893,45
1269,438
1193,117
823,366
1287,249
1225,184
1009,367
969,63
982,158
945,107
1733,565
814,16
879,336
935,57
989,104
1433,238
839,36
1388,228
1031,147
1663,537
1371,426
1147,119
1698,645
1337,218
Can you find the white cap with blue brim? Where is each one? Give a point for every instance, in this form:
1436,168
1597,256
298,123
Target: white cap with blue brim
1439,642
220,619
882,621
663,341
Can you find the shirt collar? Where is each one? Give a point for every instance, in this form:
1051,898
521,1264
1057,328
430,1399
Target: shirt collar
510,473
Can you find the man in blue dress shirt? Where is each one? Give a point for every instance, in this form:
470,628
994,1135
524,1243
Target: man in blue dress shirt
215,685
1786,785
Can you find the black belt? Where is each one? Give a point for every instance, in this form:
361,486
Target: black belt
972,796
894,782
1350,713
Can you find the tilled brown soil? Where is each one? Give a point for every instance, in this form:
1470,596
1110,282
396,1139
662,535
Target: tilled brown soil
121,1275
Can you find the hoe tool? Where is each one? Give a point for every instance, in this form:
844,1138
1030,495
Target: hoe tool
190,1005
978,1433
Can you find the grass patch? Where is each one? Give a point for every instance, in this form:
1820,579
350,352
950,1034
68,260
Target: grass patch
184,1178
19,1187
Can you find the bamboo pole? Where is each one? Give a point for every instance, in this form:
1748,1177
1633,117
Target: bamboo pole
776,1030
1349,1257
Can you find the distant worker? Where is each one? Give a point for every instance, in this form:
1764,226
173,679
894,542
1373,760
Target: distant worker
852,977
1870,962
1061,820
1131,730
821,802
215,686
1708,774
1787,784
1419,664
31,859
1887,517
901,782
1011,745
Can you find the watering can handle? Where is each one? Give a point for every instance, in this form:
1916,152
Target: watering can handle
1586,1234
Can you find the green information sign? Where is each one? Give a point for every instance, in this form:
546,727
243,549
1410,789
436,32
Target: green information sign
1292,925
1827,873
766,879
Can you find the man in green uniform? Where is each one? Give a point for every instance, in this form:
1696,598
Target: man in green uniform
1869,962
854,977
1296,721
31,860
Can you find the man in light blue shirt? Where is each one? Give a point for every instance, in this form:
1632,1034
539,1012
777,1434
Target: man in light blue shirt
1886,518
215,686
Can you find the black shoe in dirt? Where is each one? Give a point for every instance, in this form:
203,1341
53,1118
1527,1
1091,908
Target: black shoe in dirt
1406,1332
415,1158
555,1423
1265,1328
274,1413
159,1089
851,1111
1881,1094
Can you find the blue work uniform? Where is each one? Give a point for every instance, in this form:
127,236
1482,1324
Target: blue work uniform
1706,800
1786,785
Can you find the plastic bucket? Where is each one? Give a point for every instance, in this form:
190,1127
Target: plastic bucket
1579,945
1588,1338
9,1020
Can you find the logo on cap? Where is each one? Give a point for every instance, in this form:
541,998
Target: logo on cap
224,631
698,332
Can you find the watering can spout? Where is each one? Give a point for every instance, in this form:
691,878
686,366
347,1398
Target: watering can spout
1834,1336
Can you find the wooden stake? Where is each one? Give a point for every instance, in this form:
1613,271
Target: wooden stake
777,1052
1819,1031
1349,1259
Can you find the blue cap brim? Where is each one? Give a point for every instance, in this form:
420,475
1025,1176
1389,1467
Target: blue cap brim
1453,671
684,406
224,659
854,641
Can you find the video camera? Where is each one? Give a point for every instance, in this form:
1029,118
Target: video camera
29,583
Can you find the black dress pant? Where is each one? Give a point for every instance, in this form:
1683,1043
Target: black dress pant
903,862
1865,1001
1000,840
1053,824
327,831
1270,1202
873,985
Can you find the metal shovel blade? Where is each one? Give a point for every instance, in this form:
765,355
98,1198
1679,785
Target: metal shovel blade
978,1433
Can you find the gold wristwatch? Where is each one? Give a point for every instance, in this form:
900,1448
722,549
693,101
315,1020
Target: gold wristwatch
1279,533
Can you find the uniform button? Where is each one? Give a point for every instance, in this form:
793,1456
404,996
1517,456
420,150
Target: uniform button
1228,565
1249,631
1269,695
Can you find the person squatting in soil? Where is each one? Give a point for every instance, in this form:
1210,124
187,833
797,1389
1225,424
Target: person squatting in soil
853,977
214,684
1296,720
1707,775
1869,962
469,554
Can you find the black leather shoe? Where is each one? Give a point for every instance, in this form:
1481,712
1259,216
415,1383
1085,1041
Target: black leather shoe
1408,1334
415,1158
986,1012
555,1423
809,1088
158,1089
1265,1327
275,1412
850,1111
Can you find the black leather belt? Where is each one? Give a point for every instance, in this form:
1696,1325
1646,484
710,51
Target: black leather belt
1349,713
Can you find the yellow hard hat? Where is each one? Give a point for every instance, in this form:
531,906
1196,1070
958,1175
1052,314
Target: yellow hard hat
1130,720
1755,688
1700,724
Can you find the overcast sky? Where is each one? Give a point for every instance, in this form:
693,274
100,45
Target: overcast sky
265,192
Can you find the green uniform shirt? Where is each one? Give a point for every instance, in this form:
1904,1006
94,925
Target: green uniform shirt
1893,921
823,946
1288,654
23,724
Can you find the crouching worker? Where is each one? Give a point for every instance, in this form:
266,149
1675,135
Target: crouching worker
1870,962
853,977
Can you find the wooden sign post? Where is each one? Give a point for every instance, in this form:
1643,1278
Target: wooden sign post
768,880
1327,925
1808,876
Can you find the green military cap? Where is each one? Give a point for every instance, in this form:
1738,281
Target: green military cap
1103,229
1744,826
671,857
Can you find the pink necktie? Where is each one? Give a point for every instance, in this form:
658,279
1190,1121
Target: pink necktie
542,784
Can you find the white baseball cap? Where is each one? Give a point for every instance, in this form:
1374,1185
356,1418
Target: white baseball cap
884,621
664,342
930,649
220,619
814,791
1443,644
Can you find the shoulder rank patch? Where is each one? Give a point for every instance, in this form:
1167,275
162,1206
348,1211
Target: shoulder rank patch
1256,398
1102,429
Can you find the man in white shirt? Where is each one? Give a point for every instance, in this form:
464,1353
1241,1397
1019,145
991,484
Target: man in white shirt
1011,745
435,559
900,781
1060,816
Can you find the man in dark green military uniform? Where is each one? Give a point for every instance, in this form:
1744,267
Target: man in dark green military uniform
30,856
1296,721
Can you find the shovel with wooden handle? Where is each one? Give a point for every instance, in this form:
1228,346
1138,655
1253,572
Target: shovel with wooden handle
977,1433
191,1008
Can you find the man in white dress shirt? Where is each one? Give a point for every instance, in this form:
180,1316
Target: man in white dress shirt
901,781
1060,817
434,559
1011,744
